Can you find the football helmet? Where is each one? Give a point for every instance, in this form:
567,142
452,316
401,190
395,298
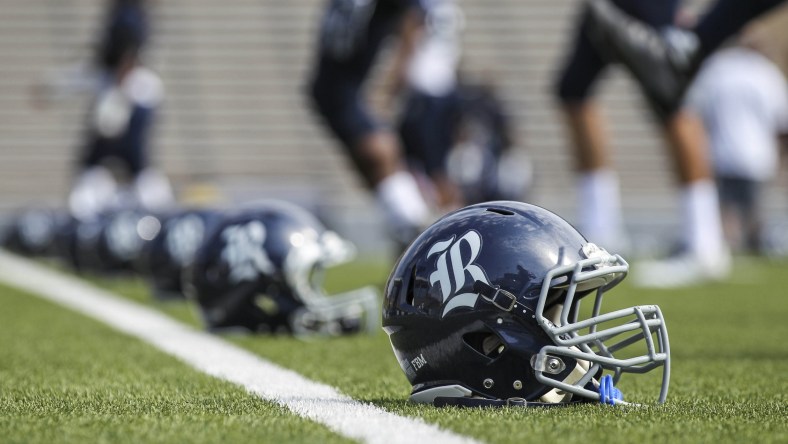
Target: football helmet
172,251
66,242
483,308
112,243
32,231
261,270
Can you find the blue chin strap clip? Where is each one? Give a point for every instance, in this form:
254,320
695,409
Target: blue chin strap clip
608,394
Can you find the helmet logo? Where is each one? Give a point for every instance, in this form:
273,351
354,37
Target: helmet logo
244,252
122,238
412,366
451,258
184,238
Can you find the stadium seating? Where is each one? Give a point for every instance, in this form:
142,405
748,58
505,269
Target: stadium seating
235,116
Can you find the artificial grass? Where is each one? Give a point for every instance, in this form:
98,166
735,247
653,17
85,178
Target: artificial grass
729,372
729,384
66,378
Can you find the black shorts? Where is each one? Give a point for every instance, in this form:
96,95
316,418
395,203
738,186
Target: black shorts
336,85
739,193
130,149
427,128
584,63
338,99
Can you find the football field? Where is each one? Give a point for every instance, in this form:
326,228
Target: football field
66,377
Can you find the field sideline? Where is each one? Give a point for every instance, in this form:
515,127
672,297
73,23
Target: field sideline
65,378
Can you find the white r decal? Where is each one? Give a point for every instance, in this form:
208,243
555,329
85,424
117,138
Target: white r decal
459,269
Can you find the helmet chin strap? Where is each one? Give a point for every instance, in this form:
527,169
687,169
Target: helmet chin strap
556,395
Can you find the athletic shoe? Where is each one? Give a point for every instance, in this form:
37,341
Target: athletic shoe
681,271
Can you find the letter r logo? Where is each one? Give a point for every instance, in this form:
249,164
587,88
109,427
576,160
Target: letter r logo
451,258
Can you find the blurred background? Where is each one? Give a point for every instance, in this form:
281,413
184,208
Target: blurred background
235,126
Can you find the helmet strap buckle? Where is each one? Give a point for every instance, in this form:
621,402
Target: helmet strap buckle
497,296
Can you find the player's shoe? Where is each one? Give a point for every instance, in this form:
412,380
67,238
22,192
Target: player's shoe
663,61
682,270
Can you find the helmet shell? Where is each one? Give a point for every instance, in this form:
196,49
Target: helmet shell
166,257
243,260
444,332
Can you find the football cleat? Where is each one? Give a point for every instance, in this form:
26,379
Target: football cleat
682,270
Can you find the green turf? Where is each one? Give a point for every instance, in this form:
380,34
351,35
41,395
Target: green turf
730,367
64,378
729,379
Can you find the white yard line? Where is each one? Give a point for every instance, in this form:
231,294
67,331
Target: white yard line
214,356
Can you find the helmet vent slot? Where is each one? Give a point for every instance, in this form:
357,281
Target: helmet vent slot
485,343
409,294
500,211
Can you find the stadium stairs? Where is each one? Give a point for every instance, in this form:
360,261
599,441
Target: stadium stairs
235,125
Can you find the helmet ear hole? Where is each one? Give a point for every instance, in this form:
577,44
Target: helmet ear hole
485,343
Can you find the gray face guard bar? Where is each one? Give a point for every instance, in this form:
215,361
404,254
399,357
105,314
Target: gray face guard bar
639,332
323,313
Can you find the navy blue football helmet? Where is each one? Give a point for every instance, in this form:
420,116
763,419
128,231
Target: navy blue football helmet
171,252
66,242
261,269
483,308
32,231
112,243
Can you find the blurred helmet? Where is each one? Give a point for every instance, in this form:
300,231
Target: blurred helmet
113,243
484,309
261,269
166,257
65,242
32,231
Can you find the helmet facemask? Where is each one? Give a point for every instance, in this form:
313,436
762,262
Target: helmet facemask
597,342
304,271
261,272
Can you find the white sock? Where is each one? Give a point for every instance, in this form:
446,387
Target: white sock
92,193
701,219
401,199
599,203
153,191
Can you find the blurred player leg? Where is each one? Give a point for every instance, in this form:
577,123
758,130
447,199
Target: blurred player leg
375,153
395,188
351,36
152,190
743,99
665,59
431,37
701,228
597,189
597,185
426,130
92,193
706,255
121,122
